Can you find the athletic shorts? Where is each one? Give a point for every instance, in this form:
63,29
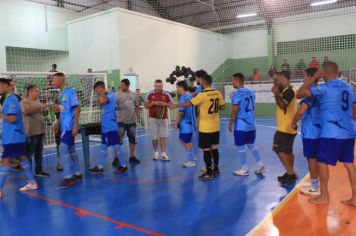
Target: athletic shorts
186,137
310,148
67,138
130,130
283,142
244,137
110,138
206,140
158,128
13,150
333,150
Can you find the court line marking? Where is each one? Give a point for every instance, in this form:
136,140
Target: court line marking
277,209
84,213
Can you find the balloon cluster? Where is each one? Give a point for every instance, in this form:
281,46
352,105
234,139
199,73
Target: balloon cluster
179,72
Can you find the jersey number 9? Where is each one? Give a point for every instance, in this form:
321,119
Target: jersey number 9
345,100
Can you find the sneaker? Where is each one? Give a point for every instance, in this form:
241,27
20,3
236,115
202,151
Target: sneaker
120,170
156,156
310,191
29,186
280,178
188,164
203,169
206,176
115,163
164,157
17,168
216,171
134,160
241,172
78,177
96,170
42,174
66,183
59,167
260,170
290,179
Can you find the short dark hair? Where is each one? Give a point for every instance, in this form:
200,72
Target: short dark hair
30,87
59,74
208,79
192,89
200,73
183,85
311,71
99,84
137,89
54,65
331,65
158,81
284,73
239,76
126,82
5,81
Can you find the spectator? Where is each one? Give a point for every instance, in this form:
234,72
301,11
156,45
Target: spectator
256,75
272,72
140,99
157,101
285,65
34,123
127,108
314,63
326,60
49,77
300,67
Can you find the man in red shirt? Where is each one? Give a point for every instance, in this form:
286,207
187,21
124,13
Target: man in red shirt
158,101
314,63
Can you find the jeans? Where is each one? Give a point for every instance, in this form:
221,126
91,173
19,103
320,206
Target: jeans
34,146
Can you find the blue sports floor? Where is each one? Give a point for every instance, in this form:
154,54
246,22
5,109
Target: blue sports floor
153,198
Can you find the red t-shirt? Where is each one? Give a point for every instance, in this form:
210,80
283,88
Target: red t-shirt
164,96
314,64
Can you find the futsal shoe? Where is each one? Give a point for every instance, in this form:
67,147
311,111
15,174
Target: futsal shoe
155,156
115,163
241,172
59,167
260,170
42,174
66,183
189,164
206,176
134,160
290,179
78,177
164,157
280,178
29,186
216,171
120,170
310,191
96,170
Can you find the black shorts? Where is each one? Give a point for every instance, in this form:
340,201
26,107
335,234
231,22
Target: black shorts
283,142
206,140
130,130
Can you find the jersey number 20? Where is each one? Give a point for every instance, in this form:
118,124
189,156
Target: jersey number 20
214,106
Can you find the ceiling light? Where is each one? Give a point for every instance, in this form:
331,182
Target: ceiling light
247,15
314,4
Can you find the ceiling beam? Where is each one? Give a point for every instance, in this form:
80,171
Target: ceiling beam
157,6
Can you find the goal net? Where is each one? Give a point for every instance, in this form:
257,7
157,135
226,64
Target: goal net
82,83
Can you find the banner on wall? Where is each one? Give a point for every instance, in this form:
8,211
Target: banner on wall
262,91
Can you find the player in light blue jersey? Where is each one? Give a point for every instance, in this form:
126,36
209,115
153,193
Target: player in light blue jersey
308,112
242,122
13,137
68,107
109,130
186,123
337,138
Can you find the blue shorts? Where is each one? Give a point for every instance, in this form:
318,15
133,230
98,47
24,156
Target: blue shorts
110,138
14,150
244,137
310,148
67,138
333,150
185,137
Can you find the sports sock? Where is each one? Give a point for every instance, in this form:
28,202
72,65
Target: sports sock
215,154
102,157
4,172
255,154
75,160
243,157
208,162
315,183
190,156
119,154
28,171
67,161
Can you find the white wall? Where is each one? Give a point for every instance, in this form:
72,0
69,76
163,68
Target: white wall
93,42
153,47
250,44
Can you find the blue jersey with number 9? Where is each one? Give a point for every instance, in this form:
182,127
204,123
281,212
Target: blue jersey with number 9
336,98
245,99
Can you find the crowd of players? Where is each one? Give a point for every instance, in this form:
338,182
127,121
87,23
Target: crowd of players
326,112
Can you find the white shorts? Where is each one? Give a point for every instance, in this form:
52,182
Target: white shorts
158,128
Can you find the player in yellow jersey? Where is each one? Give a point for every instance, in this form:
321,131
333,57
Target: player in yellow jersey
209,103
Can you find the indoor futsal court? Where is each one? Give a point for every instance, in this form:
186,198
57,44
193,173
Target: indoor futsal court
177,117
